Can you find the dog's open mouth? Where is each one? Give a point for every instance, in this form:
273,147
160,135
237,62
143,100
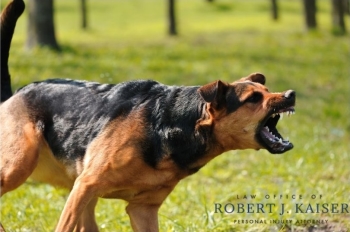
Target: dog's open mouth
269,136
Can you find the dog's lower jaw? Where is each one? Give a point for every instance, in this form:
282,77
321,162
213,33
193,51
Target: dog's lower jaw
231,143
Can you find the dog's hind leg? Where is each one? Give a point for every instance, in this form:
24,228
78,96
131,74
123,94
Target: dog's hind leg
20,140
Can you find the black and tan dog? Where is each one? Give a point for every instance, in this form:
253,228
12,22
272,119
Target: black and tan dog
133,141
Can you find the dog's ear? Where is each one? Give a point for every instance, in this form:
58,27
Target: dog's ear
255,77
214,93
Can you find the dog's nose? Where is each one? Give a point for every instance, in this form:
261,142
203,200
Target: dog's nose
289,94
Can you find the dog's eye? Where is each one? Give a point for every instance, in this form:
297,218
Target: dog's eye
254,98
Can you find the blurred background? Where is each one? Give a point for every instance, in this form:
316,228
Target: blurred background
302,45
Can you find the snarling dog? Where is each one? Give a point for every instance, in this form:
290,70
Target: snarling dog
133,141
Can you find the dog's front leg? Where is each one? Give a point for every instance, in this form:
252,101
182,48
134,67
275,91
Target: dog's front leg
143,217
82,194
87,222
143,209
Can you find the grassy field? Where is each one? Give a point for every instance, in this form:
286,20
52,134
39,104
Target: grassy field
223,40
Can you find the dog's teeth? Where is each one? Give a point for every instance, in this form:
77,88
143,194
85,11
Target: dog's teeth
274,136
267,128
280,140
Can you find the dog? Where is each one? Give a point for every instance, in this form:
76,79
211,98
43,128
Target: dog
133,141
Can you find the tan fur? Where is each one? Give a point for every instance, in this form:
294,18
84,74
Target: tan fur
51,171
17,162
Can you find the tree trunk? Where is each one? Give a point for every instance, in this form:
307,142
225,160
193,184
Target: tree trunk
338,17
41,30
310,13
171,18
274,9
83,9
347,6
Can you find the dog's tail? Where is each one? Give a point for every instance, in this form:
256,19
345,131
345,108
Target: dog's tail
8,21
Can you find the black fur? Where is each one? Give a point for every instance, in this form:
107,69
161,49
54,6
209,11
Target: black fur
72,112
172,118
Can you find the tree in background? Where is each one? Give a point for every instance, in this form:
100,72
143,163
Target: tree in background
310,13
171,18
83,9
347,6
274,9
41,29
338,12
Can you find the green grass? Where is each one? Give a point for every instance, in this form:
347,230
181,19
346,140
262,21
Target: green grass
224,40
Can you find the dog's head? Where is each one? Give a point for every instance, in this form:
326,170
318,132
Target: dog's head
244,114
